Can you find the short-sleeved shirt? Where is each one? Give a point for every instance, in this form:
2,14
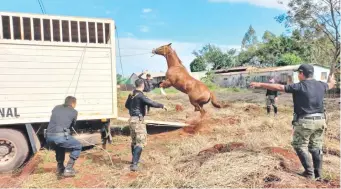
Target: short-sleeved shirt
307,96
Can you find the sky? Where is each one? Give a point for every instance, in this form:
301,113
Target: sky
146,24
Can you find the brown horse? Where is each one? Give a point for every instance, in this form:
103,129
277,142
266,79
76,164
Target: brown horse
178,77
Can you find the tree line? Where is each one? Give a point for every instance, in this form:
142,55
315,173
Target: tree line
314,38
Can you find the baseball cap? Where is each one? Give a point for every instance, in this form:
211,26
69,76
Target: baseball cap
307,69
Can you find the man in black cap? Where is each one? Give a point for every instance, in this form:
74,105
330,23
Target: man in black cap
136,103
309,117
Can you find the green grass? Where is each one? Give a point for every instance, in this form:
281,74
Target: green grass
168,91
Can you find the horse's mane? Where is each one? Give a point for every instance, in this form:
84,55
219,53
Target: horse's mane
178,58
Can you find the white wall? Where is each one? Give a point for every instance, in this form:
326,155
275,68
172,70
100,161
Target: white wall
198,75
35,78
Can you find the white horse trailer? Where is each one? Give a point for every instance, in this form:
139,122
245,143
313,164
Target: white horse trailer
43,59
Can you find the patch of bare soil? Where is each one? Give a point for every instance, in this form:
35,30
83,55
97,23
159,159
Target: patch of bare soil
222,148
179,108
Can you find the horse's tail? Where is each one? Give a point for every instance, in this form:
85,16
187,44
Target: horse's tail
214,101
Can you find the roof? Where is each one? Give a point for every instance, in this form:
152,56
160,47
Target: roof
153,74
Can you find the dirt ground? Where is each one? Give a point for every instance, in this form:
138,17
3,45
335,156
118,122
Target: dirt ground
238,146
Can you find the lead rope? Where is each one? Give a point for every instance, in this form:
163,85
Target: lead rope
80,71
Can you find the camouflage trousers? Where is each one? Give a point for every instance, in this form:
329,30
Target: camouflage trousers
270,100
138,132
309,133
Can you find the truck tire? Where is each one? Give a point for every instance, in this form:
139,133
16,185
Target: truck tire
13,149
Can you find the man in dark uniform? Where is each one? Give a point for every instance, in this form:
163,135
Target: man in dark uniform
271,99
309,117
136,103
148,86
58,135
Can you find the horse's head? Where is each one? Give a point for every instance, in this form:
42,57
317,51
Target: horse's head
163,50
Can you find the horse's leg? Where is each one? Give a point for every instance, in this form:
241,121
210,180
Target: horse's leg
202,111
165,84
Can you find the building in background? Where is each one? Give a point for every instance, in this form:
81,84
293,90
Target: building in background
242,76
157,77
198,75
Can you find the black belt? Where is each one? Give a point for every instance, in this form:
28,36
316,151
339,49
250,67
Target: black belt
314,117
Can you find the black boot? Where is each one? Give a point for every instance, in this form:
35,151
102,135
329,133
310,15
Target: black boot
69,171
306,163
317,161
268,109
132,152
60,168
136,158
275,110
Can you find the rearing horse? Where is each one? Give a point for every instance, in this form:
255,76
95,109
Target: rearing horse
178,77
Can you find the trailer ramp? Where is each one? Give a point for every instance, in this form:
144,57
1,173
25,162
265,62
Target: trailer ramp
158,123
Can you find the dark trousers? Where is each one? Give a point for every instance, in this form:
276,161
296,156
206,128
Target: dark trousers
60,144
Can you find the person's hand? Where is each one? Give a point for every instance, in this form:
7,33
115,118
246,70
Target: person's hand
255,84
165,108
276,98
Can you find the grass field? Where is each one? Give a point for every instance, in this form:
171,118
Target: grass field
238,146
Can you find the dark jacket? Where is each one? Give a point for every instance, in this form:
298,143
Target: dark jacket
63,117
148,84
137,101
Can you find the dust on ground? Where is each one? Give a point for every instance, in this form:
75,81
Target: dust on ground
238,146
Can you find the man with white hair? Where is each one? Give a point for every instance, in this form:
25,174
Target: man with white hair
271,99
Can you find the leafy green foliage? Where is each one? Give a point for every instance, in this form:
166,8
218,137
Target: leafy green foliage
121,80
213,56
198,65
271,50
320,20
249,38
288,59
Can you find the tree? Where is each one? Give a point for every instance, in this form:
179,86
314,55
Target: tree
289,59
213,55
120,79
267,36
250,38
198,64
322,18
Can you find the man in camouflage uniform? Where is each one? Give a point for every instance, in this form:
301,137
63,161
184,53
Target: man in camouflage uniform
309,118
136,103
271,99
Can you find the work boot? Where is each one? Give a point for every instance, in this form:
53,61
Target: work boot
60,168
136,158
306,163
132,153
268,109
275,110
69,171
317,155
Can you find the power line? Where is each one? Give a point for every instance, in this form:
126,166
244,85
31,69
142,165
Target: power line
119,50
42,8
132,54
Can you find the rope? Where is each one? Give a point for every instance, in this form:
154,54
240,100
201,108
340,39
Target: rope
112,163
80,60
119,54
80,70
131,55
